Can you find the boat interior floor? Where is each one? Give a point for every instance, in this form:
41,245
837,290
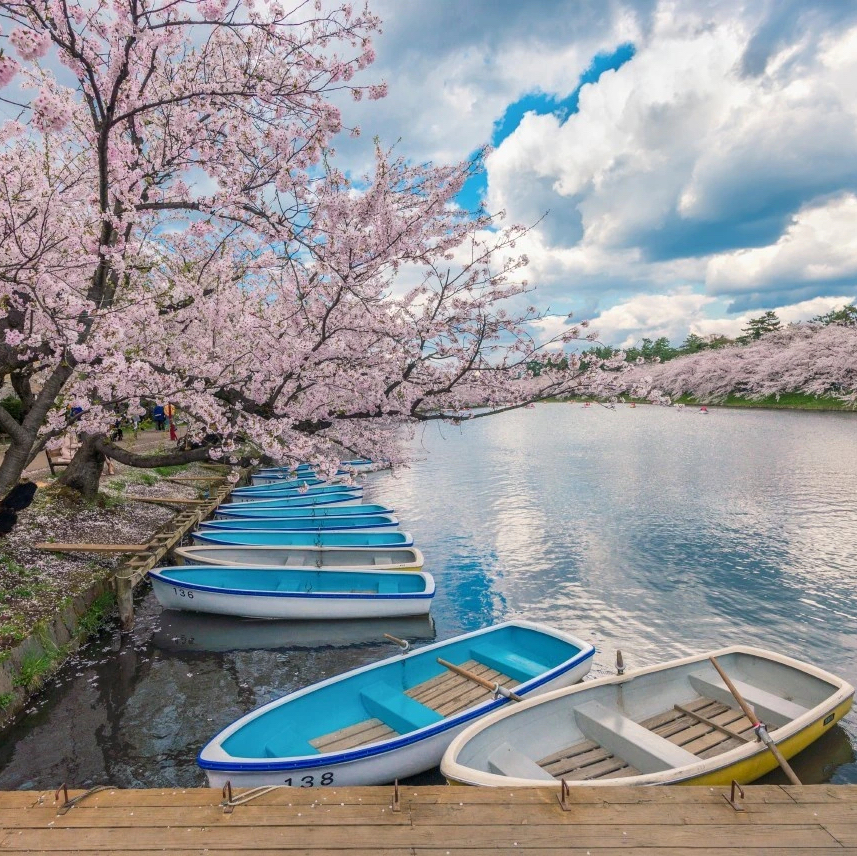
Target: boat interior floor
446,694
703,727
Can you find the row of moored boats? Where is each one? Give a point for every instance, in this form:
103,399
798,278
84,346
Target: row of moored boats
504,705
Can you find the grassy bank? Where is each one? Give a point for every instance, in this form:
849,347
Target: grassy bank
787,401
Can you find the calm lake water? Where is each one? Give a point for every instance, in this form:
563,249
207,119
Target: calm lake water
651,530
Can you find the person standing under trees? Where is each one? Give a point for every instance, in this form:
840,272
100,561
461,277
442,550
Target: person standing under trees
170,411
159,416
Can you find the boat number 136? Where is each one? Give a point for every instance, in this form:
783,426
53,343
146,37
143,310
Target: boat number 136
309,781
183,593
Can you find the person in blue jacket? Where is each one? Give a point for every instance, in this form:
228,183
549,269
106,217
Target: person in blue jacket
159,416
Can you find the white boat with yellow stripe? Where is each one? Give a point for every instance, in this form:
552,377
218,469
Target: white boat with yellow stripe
674,723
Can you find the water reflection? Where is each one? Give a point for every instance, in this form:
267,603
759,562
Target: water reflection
189,631
658,533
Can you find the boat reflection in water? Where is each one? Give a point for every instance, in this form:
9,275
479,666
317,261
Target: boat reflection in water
817,763
185,631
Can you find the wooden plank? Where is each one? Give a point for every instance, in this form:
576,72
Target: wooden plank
716,725
167,500
424,813
359,734
55,547
454,835
443,794
565,850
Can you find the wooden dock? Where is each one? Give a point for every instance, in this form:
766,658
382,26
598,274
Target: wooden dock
818,820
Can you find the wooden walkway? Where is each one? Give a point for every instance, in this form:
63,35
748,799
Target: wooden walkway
134,570
819,820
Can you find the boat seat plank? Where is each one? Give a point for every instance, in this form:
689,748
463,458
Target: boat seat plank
628,740
506,760
508,662
359,734
771,708
398,710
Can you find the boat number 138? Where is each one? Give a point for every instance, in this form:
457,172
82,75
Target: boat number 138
310,781
183,593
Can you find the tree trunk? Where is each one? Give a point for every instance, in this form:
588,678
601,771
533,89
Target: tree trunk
84,472
15,459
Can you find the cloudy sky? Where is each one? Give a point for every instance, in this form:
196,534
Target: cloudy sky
698,160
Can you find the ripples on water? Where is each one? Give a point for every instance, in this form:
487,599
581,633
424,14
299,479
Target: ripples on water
657,532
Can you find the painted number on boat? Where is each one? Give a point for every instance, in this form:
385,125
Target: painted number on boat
829,718
309,781
183,593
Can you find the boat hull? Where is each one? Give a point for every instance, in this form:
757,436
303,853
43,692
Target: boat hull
378,763
306,500
245,510
251,538
805,703
184,595
380,523
352,495
352,558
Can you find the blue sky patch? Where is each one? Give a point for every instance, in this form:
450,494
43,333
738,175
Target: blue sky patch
543,104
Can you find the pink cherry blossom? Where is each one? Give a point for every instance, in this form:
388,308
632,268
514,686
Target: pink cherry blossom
30,44
8,69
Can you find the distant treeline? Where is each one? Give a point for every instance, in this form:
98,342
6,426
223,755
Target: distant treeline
662,350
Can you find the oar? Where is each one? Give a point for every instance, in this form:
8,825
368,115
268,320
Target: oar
758,726
489,685
402,643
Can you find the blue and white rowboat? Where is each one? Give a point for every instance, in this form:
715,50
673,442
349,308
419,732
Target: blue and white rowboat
341,558
245,538
273,491
302,501
368,523
293,593
394,718
251,510
309,481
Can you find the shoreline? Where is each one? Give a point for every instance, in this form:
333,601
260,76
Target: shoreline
794,401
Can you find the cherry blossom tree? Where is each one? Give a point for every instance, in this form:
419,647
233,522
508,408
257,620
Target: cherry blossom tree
808,358
173,228
206,109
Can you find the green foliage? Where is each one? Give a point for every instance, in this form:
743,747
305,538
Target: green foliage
170,471
33,668
846,316
758,327
785,401
97,614
660,349
12,405
6,699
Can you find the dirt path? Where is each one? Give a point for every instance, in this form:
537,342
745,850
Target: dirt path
146,441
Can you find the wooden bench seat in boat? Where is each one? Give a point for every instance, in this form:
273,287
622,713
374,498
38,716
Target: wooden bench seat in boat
443,695
401,712
508,662
634,743
506,760
770,708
